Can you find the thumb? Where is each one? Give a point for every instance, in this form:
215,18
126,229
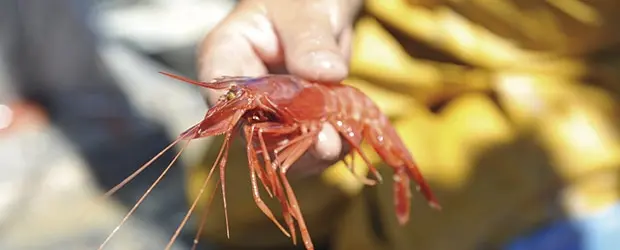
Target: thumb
308,39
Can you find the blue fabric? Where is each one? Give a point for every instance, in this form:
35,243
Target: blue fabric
596,231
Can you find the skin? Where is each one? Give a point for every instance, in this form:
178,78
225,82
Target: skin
307,38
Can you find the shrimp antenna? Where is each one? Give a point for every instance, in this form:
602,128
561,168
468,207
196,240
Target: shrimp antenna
217,83
148,191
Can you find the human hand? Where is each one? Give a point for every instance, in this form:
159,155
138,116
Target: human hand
307,38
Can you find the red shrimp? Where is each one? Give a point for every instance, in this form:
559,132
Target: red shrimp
281,117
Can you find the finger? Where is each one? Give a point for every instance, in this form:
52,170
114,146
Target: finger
345,42
224,52
308,38
328,146
325,153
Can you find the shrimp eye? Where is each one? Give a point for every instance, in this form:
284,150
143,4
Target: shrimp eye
230,95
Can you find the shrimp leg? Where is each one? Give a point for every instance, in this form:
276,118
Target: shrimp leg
393,151
291,154
254,167
277,129
249,130
351,167
353,135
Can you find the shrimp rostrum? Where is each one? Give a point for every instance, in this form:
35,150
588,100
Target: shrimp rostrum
281,116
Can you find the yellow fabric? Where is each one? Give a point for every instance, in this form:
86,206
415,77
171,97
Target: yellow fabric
517,126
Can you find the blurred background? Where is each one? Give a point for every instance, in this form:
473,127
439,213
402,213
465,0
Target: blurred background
512,114
82,106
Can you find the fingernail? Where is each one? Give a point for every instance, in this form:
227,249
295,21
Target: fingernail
325,65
